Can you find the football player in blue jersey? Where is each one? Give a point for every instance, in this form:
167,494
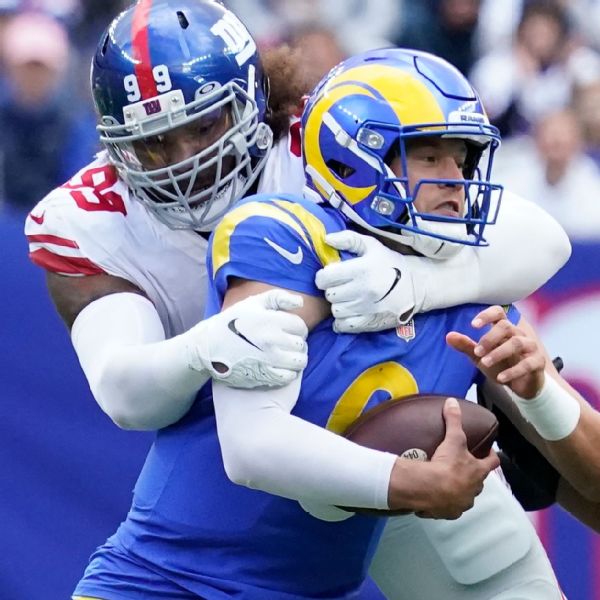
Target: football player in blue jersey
394,145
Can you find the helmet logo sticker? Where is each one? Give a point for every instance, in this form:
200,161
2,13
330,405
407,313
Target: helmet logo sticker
207,88
236,37
152,107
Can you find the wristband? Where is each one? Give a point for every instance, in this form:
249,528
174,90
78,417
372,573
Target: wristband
553,413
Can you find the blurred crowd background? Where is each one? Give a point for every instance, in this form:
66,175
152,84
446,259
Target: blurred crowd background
67,471
536,64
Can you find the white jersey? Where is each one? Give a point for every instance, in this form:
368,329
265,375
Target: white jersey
93,225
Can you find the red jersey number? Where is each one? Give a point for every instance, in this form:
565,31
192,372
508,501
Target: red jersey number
93,193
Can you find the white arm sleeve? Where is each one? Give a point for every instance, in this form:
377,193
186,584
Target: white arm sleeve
138,378
527,247
266,448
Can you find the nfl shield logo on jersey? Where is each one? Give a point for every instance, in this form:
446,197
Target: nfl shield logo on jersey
406,331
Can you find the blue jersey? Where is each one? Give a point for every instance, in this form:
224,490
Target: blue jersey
191,532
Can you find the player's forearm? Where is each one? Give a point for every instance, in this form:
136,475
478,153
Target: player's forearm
526,247
139,391
577,457
264,447
141,380
564,428
583,509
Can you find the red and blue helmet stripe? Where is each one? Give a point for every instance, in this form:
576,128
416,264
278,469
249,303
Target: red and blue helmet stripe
181,36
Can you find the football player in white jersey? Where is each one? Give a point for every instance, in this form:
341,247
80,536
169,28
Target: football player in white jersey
187,121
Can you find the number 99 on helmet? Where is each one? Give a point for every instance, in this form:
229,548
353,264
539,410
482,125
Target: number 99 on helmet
368,113
181,97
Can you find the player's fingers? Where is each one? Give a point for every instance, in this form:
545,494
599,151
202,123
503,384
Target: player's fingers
344,292
280,300
530,364
357,324
289,360
488,316
289,323
346,310
453,419
489,463
335,274
281,377
347,240
498,334
461,342
513,350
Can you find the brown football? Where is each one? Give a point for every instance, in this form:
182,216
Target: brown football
413,427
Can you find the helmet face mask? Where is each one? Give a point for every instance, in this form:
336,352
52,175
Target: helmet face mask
187,134
367,115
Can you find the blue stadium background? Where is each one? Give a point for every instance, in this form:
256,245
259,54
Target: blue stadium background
67,472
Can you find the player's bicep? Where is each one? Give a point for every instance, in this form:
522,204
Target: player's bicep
72,294
263,242
313,311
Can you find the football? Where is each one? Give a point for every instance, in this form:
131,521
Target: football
413,427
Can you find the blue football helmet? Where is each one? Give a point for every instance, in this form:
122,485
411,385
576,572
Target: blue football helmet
365,113
181,96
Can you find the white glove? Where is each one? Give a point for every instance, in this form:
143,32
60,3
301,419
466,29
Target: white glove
252,343
372,292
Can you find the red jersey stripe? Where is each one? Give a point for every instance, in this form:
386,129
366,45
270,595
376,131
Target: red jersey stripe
141,50
295,139
53,239
66,265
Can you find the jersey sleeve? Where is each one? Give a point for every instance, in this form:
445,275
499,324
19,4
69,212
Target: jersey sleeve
75,229
53,241
277,241
513,313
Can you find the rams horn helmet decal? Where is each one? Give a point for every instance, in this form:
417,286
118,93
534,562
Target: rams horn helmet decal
361,116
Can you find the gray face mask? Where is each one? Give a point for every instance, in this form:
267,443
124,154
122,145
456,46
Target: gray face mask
195,191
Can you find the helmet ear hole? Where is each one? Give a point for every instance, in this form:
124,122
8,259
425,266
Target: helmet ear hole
474,152
392,153
340,169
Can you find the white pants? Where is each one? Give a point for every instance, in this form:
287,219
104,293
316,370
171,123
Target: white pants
491,553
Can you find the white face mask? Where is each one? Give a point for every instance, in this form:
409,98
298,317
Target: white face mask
205,215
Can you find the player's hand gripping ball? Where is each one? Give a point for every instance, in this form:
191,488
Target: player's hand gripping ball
413,427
